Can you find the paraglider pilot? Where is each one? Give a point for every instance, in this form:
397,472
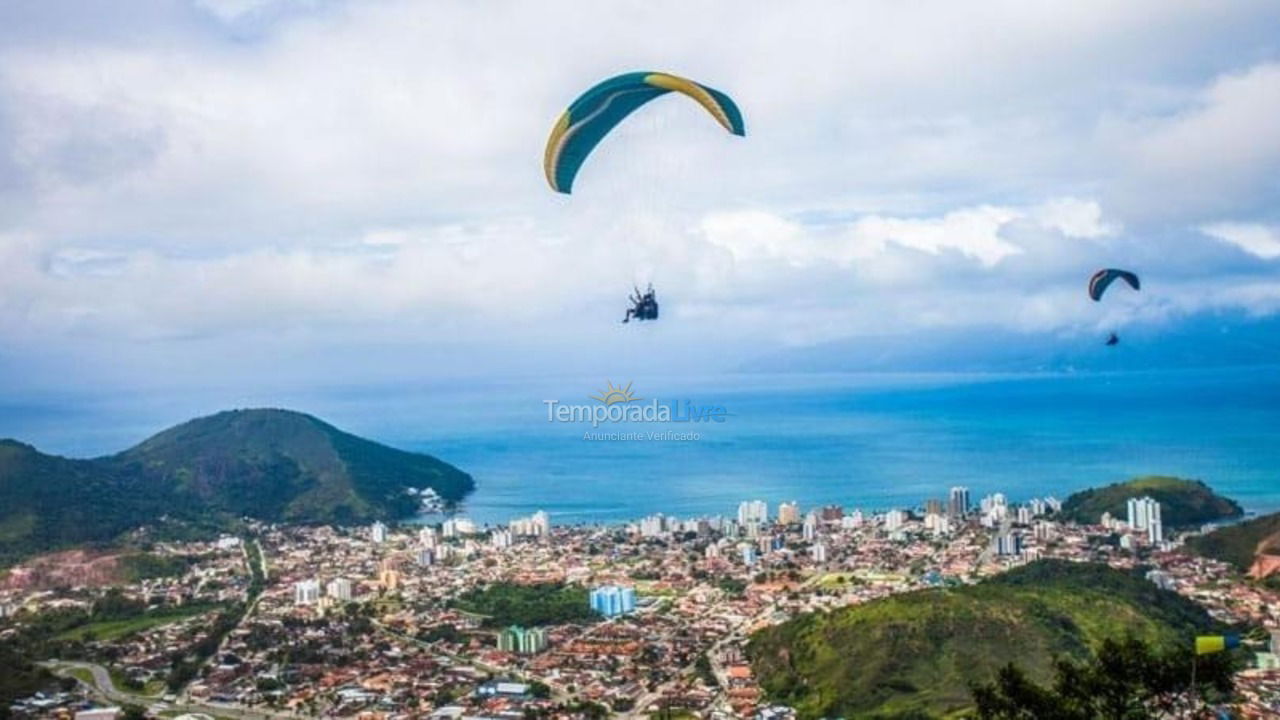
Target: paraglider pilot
644,307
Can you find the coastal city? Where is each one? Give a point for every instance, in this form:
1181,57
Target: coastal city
533,619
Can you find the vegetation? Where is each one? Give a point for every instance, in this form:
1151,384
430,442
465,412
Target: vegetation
919,653
20,676
1128,679
1183,503
504,604
1240,544
150,566
113,629
272,465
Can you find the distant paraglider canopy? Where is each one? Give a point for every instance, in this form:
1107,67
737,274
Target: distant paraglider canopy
1113,340
1102,280
597,111
643,306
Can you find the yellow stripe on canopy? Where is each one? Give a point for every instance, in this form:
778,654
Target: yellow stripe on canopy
693,90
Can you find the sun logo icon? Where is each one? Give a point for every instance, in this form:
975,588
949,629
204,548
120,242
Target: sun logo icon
612,395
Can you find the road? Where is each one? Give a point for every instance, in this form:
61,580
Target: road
106,689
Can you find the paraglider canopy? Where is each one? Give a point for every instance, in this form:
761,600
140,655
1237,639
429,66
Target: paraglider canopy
1102,280
1113,340
597,111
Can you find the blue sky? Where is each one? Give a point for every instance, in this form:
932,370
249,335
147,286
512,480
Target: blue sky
258,194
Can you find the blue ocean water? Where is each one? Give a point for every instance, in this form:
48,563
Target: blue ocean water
869,441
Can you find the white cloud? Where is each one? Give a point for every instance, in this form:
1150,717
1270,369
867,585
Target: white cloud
1256,239
372,170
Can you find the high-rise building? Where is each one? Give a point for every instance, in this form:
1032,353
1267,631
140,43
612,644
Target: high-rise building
831,513
339,589
753,511
748,555
500,539
542,523
378,532
958,504
427,537
788,513
1155,525
933,506
457,527
894,520
613,600
810,529
653,526
524,641
819,552
1144,514
306,592
1008,544
426,557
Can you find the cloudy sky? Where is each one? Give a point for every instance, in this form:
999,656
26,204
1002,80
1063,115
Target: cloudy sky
245,193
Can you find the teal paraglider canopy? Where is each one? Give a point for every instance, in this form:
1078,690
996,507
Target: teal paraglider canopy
597,111
1102,280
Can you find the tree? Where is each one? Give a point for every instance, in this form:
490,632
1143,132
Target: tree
1127,680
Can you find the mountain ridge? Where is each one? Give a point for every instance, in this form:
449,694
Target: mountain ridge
269,464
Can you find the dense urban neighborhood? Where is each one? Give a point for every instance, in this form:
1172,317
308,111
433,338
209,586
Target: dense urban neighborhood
535,619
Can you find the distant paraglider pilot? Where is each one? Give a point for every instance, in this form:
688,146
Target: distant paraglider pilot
644,306
1113,340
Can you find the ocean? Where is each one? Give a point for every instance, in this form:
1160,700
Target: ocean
860,441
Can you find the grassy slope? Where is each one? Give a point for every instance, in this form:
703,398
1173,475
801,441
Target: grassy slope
107,630
920,651
1238,544
1184,503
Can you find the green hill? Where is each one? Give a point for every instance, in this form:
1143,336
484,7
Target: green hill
273,465
1240,544
918,652
1183,503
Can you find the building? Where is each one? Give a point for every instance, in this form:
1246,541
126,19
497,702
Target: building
1144,514
933,506
788,513
958,504
894,520
831,513
653,526
522,641
457,527
339,589
306,592
102,713
748,555
378,533
819,552
613,600
753,512
810,529
500,539
1008,544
